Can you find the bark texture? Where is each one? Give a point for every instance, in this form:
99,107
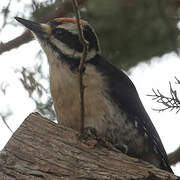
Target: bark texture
40,149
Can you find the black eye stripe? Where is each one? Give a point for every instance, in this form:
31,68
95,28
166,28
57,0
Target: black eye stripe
58,31
71,40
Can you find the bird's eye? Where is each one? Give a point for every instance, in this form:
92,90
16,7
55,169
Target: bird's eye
58,31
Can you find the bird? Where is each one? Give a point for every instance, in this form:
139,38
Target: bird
112,105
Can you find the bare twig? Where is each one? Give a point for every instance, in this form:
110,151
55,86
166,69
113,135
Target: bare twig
4,118
5,13
30,83
34,88
170,103
82,61
174,157
3,87
177,80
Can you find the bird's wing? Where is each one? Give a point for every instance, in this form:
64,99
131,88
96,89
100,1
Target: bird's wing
124,93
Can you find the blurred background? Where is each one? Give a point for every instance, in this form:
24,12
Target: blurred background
140,37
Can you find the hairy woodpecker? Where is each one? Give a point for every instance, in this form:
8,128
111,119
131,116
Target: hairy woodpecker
112,104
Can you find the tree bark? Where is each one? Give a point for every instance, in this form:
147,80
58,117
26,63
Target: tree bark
40,149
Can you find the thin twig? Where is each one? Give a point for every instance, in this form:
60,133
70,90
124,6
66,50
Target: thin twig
170,103
82,61
4,117
5,13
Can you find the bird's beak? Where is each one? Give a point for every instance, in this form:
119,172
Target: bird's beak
35,27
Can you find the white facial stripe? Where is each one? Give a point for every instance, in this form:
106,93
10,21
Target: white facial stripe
46,28
72,52
72,28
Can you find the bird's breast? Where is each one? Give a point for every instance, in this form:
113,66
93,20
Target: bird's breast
64,85
101,112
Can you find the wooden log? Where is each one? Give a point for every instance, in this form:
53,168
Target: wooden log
40,149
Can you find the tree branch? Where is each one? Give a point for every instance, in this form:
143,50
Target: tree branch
26,37
174,157
82,61
15,43
40,149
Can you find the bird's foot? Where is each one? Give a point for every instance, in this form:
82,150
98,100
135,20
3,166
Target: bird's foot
89,136
88,132
122,147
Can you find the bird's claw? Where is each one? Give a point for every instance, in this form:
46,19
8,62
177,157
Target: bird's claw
88,132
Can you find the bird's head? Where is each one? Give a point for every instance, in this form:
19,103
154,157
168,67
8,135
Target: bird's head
60,36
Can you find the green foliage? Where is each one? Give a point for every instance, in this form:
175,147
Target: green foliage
133,31
44,8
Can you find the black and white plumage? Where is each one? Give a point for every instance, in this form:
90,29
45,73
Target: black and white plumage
112,104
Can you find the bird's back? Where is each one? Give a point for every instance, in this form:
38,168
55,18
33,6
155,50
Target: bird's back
136,130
